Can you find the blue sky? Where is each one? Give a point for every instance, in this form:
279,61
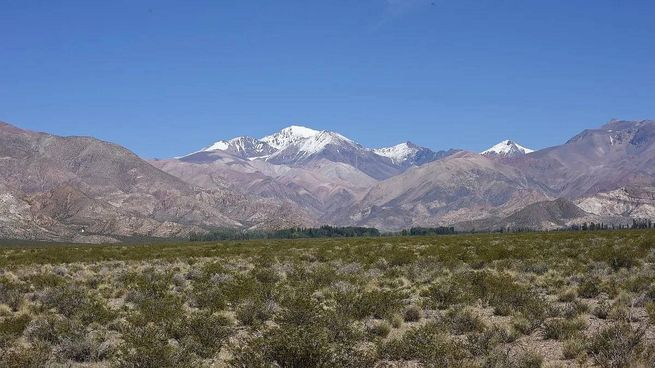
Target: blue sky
167,77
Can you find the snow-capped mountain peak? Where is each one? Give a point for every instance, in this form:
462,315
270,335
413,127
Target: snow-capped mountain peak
507,148
399,152
245,147
288,136
220,145
298,145
318,142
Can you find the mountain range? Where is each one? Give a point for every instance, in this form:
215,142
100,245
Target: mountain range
83,189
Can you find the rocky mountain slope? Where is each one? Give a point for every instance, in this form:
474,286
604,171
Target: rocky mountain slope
618,154
437,188
408,154
630,202
543,215
83,189
63,188
462,186
320,187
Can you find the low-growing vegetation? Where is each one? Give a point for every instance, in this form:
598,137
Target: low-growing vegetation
564,299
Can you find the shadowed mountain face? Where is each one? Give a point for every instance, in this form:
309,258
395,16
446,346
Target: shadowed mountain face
462,186
69,187
545,215
83,189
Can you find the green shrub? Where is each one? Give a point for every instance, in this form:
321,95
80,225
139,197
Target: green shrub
602,309
529,359
77,349
444,294
499,290
616,346
203,333
52,329
46,280
573,348
400,256
427,344
502,358
618,257
574,309
12,327
266,276
558,328
412,314
619,313
67,300
148,346
299,309
463,321
310,303
253,313
482,343
95,310
22,356
11,293
589,287
567,296
650,310
374,303
380,328
396,321
292,347
522,325
209,296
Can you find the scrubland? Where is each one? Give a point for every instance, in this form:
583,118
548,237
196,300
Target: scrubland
569,299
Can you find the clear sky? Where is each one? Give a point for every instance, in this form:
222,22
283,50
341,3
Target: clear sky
168,77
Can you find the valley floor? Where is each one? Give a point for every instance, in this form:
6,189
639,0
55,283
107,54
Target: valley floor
561,299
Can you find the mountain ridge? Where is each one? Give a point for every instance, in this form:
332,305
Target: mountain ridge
299,145
84,189
70,187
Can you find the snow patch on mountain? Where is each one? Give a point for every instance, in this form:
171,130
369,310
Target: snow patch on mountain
296,144
507,148
220,145
288,136
398,153
318,142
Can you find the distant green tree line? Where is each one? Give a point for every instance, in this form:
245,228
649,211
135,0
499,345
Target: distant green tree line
636,224
356,231
425,231
318,232
291,233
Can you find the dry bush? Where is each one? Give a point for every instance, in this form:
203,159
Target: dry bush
616,346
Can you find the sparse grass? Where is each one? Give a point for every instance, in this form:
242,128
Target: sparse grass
381,328
573,348
481,300
558,328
